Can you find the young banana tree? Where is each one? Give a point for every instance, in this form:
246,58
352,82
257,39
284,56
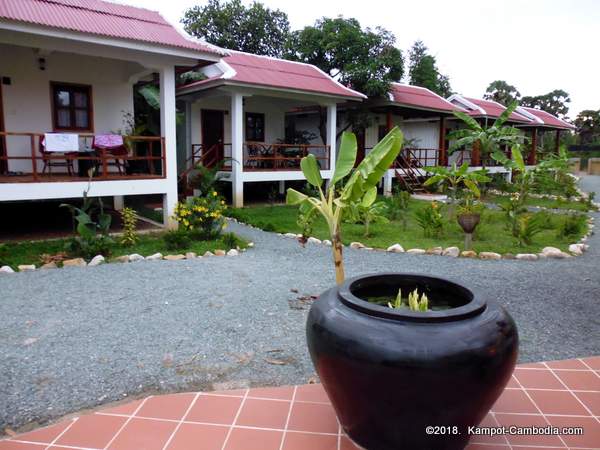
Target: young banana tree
490,139
452,178
362,181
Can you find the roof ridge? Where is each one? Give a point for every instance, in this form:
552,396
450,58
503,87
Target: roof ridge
114,14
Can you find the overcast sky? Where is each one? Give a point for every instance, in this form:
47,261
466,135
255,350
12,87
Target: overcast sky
536,45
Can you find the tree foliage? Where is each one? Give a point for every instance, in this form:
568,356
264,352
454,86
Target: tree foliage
423,71
232,25
491,138
588,126
502,92
364,59
555,102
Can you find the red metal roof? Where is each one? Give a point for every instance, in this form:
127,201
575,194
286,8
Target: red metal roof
277,73
493,109
550,120
102,18
421,98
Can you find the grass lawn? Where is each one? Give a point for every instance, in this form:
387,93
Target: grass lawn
491,234
547,203
29,252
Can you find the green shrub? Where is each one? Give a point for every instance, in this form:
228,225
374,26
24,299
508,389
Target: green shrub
527,226
430,219
398,206
268,227
202,215
177,239
231,240
572,225
129,219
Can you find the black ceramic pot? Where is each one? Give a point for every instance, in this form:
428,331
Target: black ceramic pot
391,373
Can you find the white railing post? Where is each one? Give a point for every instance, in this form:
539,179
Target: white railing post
331,134
237,149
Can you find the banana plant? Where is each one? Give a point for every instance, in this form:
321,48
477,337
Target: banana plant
490,139
368,211
452,178
361,181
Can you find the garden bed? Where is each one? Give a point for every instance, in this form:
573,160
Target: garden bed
544,202
492,235
39,252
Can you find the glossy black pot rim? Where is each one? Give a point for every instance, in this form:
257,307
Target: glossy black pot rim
475,306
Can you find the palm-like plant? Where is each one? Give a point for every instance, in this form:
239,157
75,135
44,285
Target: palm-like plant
361,182
489,139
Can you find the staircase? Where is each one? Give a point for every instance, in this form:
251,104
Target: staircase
409,176
200,157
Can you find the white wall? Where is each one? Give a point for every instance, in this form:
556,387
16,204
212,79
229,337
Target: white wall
27,100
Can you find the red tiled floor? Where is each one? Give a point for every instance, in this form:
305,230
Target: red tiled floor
557,402
47,434
199,437
591,400
260,413
306,441
537,378
215,409
143,434
528,420
93,431
166,406
247,439
578,380
298,418
515,401
313,417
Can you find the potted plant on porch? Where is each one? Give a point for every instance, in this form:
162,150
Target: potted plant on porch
401,374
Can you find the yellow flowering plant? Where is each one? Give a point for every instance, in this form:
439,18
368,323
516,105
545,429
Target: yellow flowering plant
202,216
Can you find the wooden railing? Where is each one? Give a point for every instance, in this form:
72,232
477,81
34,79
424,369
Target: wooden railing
140,149
258,156
273,157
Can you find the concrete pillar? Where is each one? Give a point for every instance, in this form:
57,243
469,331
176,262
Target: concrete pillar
331,134
188,130
168,130
237,149
118,202
387,184
281,187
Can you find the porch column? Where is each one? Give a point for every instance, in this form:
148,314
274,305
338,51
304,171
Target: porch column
188,131
331,134
237,150
168,132
442,158
531,160
118,202
389,123
557,142
387,184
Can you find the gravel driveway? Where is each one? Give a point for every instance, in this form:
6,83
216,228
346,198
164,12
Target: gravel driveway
76,338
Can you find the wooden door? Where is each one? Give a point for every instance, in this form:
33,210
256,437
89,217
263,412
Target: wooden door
213,130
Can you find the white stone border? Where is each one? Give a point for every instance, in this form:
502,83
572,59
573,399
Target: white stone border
576,249
133,258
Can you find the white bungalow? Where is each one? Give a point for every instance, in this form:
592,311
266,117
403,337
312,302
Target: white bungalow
68,68
242,115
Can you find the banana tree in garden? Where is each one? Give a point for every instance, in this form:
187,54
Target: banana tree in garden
490,139
454,177
361,182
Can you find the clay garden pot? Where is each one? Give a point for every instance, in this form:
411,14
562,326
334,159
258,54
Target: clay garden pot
390,373
468,222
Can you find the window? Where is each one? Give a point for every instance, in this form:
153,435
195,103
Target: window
255,127
71,107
